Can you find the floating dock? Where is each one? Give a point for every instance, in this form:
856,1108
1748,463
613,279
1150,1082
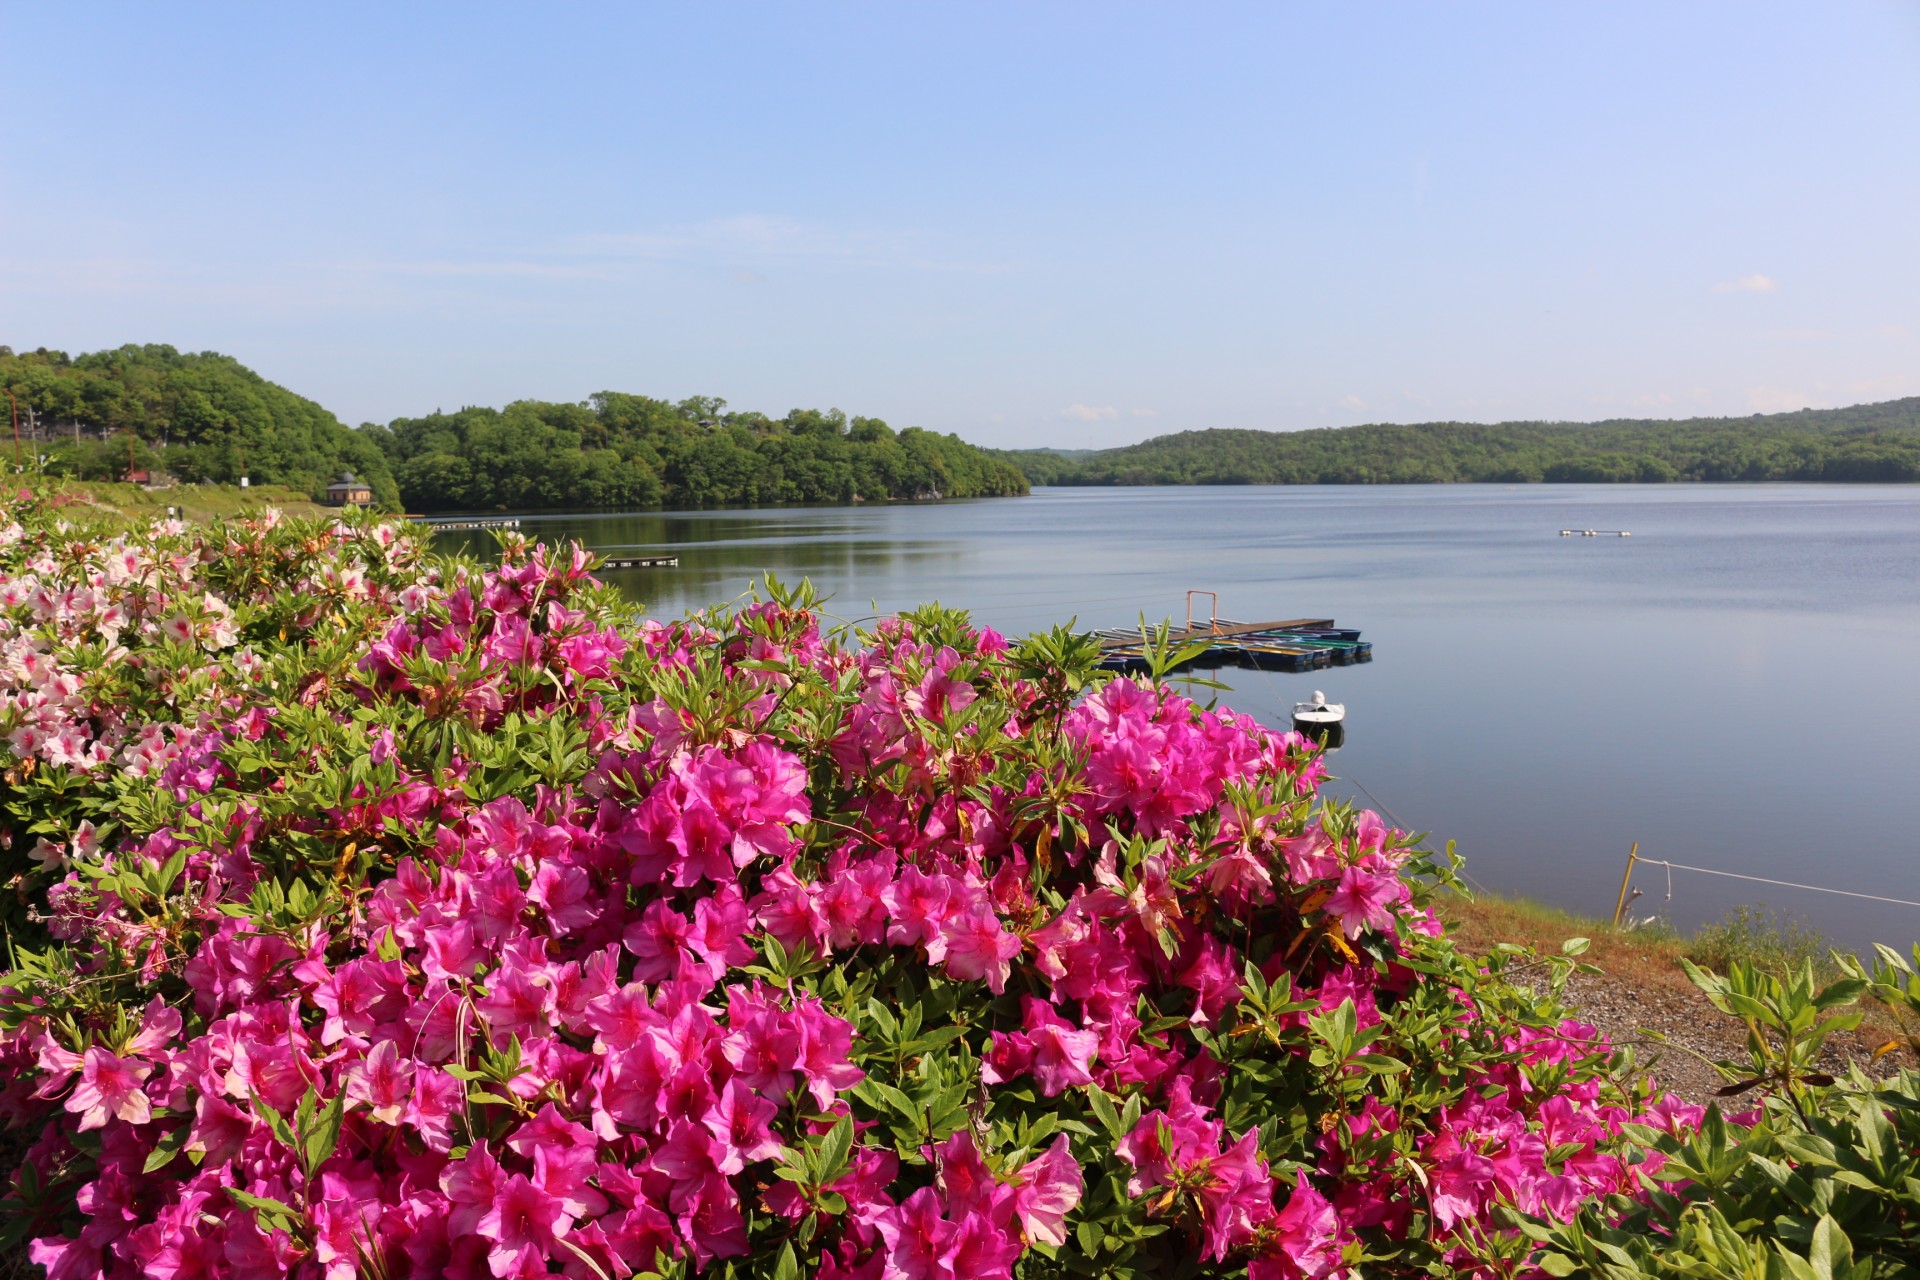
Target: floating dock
1596,533
639,562
506,522
1294,644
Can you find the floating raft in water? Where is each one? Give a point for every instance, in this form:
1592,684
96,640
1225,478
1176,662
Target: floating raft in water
508,522
639,562
1297,644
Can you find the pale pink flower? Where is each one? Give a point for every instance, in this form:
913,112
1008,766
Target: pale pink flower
109,1086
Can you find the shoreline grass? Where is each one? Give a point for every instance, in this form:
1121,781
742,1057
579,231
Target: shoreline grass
195,503
1649,958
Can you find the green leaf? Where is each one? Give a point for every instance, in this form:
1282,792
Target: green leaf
170,872
834,1150
1102,1107
265,1204
164,1150
323,1134
275,1122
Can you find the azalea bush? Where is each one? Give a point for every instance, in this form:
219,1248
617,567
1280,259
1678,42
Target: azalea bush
375,914
1816,1178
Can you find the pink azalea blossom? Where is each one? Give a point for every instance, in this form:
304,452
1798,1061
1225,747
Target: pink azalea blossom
109,1087
1049,1189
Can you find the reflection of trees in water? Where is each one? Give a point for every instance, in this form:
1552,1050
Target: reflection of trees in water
851,572
852,556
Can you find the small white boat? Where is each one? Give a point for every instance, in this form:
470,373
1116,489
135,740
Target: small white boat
1321,720
1319,711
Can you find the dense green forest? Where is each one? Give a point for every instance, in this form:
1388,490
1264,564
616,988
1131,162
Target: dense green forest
1874,442
206,417
629,451
200,417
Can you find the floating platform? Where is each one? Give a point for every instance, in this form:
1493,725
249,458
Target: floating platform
506,522
1596,533
639,562
1295,644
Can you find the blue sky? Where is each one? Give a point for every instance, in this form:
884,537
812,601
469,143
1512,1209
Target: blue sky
1030,223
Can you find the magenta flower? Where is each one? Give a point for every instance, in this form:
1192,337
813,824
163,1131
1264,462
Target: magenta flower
978,946
1459,1187
1236,1196
383,1082
1059,1055
1365,899
1305,1242
739,1123
109,1087
524,1222
917,1237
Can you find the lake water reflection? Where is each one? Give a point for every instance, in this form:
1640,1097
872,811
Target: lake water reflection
1734,686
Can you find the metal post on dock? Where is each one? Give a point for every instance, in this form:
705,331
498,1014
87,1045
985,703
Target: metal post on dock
1213,622
1620,907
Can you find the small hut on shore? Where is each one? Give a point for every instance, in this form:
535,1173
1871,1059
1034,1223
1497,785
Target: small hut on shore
349,492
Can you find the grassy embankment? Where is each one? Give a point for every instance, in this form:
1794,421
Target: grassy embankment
1643,983
198,503
1748,933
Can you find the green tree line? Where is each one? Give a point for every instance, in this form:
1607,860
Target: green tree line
1873,442
206,417
629,451
202,417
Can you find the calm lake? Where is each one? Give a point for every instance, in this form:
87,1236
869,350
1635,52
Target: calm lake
1735,686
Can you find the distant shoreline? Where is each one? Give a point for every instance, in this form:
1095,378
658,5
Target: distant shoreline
1871,443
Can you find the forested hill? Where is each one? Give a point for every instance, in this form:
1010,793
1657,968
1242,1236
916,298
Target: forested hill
200,417
627,451
206,417
1873,442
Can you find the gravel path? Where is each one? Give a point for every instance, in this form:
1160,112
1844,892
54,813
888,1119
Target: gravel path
1689,1034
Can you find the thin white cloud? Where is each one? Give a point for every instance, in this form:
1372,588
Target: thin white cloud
1352,402
1748,284
1144,413
1777,400
1089,412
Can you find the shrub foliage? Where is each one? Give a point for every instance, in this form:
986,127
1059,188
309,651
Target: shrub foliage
377,914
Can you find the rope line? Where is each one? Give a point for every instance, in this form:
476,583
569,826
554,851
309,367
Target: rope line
1395,819
1785,884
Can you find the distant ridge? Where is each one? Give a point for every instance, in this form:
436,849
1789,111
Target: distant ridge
1863,443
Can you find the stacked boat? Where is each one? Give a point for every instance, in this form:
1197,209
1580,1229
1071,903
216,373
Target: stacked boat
1299,646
